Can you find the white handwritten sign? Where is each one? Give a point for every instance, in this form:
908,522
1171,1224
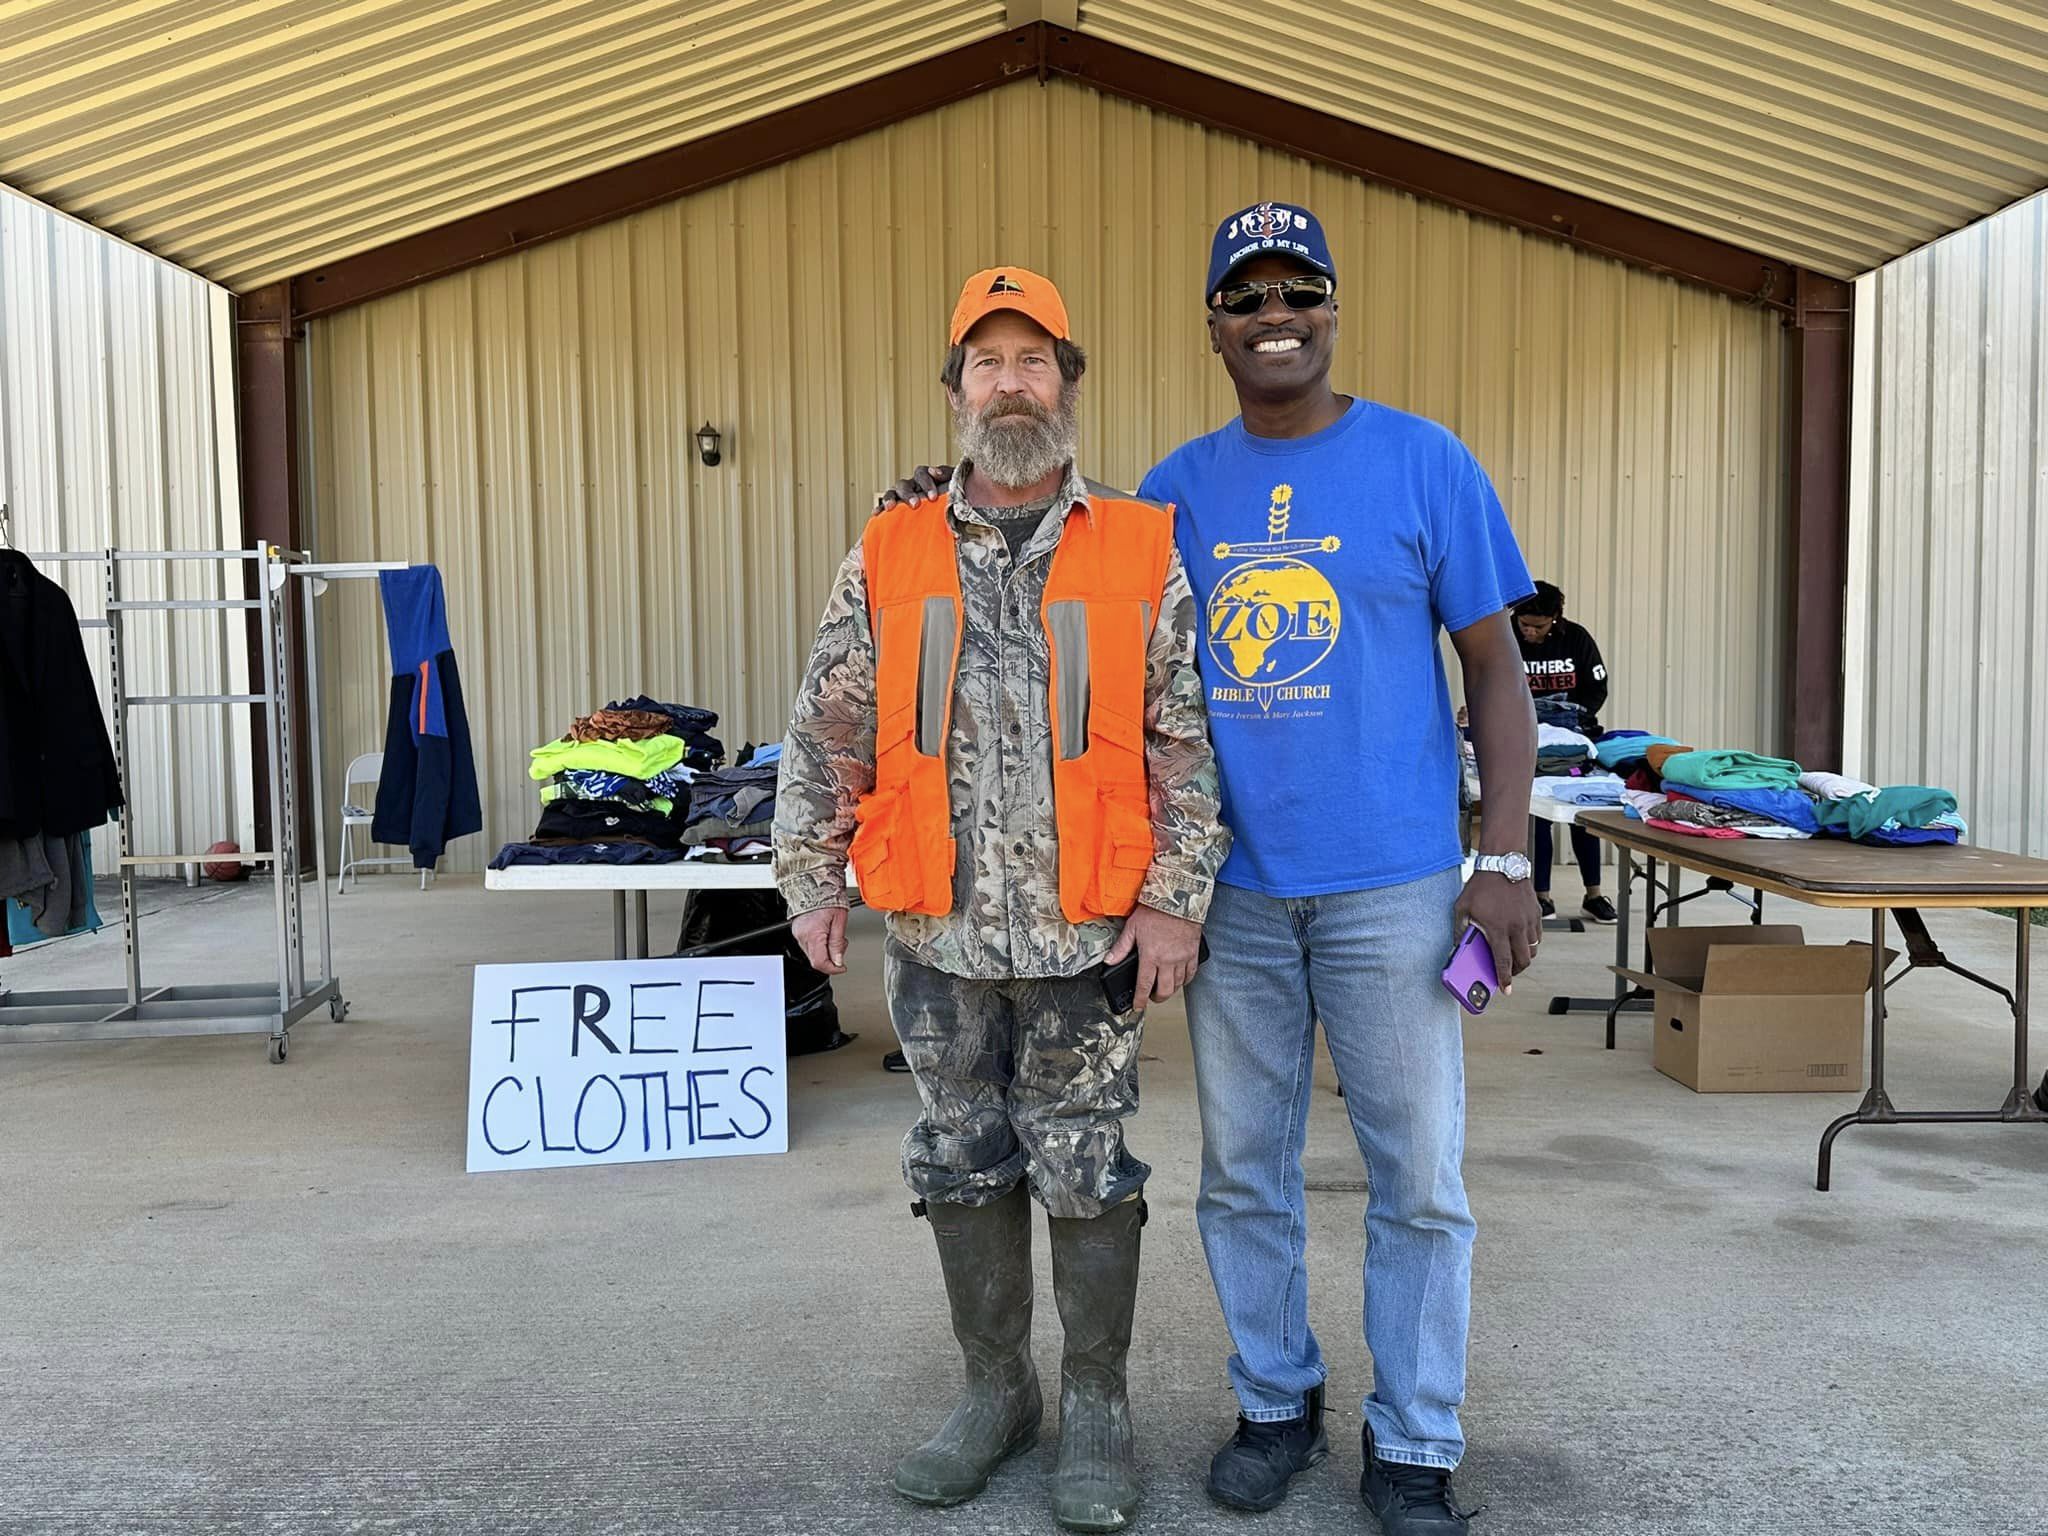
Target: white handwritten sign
626,1061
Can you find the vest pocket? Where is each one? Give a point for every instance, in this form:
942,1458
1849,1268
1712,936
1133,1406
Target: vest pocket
1109,727
1123,851
884,852
869,854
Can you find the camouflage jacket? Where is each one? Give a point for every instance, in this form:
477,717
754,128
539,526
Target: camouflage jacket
1006,919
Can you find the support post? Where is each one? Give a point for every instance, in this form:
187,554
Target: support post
1818,362
267,436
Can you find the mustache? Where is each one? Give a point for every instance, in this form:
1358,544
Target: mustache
1014,405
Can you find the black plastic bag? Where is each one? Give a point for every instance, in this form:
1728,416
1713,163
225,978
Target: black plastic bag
757,923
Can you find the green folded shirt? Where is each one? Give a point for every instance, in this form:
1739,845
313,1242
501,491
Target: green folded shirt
1730,770
635,759
1910,805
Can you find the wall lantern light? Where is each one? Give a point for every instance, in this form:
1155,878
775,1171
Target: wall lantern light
707,445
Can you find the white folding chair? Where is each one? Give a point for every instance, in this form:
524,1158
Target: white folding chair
366,769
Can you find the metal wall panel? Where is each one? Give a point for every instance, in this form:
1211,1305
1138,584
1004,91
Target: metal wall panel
108,436
1947,682
1833,133
250,141
254,140
528,424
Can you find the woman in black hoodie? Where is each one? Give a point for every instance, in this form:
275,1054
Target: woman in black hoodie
1564,664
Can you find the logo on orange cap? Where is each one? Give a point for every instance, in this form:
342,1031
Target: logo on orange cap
995,288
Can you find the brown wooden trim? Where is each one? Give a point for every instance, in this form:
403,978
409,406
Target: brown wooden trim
1822,338
1441,177
1043,50
673,173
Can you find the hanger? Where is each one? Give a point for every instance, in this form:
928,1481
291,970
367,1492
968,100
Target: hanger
15,566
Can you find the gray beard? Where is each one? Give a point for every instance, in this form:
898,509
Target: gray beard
1015,450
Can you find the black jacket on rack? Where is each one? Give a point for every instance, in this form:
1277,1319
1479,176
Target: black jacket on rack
57,773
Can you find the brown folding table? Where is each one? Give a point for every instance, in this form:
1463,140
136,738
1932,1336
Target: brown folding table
1827,872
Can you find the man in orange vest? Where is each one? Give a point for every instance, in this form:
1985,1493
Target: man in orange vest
1002,727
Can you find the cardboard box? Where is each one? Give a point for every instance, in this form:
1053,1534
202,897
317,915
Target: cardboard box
1756,1009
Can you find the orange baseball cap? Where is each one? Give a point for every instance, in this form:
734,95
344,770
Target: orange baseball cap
997,288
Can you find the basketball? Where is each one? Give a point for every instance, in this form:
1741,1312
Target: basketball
227,869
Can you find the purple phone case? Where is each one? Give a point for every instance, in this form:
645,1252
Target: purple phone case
1470,976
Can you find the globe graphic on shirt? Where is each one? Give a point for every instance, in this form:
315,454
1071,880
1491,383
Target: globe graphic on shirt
1271,620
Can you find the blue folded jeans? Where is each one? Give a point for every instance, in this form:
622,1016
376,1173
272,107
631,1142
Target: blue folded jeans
1367,964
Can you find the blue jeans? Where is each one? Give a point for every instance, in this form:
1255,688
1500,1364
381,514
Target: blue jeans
1367,964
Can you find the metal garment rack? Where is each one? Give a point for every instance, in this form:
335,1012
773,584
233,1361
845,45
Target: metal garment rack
228,1008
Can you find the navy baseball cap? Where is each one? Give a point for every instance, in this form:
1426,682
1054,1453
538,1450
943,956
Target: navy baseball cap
1267,229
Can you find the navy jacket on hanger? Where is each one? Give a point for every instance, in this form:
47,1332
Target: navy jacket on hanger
427,794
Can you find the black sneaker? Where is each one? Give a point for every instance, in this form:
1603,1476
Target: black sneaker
1410,1500
1600,910
1253,1470
1548,907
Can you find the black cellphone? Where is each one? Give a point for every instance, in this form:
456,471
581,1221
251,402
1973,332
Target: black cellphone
1120,981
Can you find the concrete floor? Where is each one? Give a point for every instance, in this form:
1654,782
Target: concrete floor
241,1298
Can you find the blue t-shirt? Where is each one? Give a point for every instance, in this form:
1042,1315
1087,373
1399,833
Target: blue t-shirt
1325,567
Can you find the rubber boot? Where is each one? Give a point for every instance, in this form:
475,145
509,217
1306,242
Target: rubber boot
1095,1280
985,1252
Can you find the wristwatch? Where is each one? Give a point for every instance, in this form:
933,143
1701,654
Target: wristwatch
1509,866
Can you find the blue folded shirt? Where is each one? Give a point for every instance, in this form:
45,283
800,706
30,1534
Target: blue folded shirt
1627,746
1788,807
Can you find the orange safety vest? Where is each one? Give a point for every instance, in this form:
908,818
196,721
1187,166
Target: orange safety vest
1102,598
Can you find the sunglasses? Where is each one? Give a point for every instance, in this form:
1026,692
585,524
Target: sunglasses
1295,293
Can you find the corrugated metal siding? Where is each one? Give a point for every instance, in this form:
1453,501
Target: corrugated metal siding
1834,133
527,425
107,436
253,140
1948,644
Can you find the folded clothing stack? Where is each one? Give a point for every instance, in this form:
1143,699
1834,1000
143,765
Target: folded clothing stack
1559,750
1729,770
1590,789
1623,751
610,786
1554,709
732,810
1902,816
692,726
1740,794
1673,811
658,793
1724,794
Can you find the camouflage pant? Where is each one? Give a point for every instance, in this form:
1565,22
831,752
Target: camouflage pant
1021,1079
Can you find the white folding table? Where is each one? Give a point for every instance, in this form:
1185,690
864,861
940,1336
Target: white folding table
631,883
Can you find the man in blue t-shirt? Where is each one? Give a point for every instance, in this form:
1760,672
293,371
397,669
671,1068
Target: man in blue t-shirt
1330,542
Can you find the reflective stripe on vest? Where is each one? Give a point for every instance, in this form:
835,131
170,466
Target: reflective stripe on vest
1102,597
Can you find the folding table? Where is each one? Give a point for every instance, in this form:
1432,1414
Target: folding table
1904,882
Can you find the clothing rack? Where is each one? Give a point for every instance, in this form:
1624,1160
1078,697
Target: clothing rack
268,1008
